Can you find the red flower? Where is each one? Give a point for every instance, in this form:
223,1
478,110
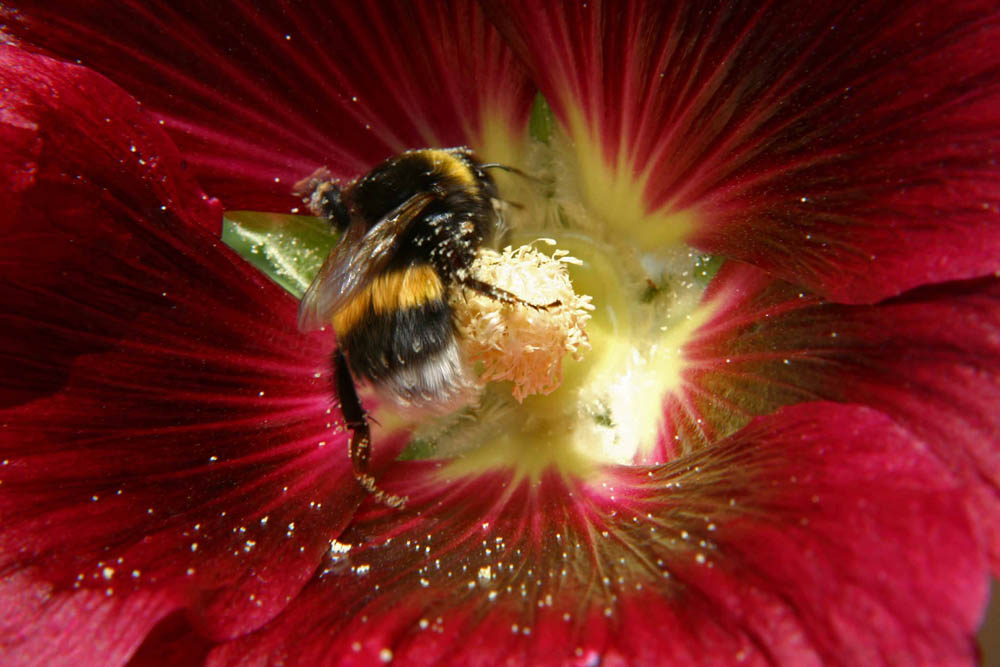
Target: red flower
799,465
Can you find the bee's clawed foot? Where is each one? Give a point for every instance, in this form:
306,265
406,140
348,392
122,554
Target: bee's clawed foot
380,495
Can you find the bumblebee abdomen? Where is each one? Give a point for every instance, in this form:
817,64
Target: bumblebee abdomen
398,334
409,287
387,342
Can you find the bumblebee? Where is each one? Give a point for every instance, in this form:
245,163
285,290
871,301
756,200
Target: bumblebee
410,231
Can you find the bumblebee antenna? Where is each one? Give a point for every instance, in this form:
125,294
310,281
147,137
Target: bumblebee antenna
512,170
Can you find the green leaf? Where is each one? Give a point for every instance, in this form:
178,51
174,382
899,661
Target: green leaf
417,450
289,249
542,122
706,267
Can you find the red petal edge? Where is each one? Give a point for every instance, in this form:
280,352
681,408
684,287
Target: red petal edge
78,629
168,435
822,534
929,358
849,148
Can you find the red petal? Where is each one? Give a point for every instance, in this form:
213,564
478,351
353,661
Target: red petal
257,96
43,627
850,148
930,359
172,642
75,175
821,534
189,447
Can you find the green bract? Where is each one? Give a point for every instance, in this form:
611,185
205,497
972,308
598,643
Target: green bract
289,249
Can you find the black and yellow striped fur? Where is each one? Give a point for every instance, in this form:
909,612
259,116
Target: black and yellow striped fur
411,228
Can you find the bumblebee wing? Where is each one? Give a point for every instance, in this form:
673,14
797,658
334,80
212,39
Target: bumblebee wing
355,261
324,296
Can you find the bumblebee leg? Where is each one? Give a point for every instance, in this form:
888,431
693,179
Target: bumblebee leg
502,295
354,414
361,440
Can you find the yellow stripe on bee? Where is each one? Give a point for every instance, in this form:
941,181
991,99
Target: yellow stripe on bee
450,167
398,290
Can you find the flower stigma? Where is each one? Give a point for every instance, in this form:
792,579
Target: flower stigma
524,341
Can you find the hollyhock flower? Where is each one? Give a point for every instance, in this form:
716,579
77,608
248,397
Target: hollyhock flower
792,458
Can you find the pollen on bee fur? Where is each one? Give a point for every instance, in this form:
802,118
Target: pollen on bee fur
523,342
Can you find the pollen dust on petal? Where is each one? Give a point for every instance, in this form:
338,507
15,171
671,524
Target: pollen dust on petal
523,342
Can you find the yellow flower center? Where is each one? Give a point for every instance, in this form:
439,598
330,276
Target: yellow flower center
608,407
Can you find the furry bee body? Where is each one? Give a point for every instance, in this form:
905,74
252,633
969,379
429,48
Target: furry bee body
412,227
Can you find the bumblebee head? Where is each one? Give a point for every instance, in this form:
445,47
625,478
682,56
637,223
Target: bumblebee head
324,197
